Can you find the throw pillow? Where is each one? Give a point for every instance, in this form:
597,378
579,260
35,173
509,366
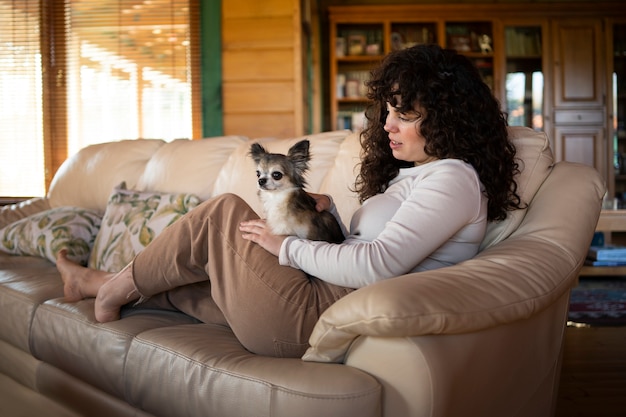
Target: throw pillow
131,221
45,233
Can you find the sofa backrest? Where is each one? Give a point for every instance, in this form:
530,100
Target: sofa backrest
535,163
88,178
202,167
217,165
238,174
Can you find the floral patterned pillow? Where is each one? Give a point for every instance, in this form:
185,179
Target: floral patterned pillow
131,221
44,234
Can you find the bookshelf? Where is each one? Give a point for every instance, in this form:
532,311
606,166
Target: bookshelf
360,36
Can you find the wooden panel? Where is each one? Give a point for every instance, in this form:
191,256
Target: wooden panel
584,145
262,72
257,126
236,9
612,221
578,55
259,97
258,33
270,65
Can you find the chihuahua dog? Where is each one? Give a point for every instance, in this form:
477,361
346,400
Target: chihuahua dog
289,210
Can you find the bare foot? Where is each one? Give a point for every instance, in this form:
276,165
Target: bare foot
113,294
79,282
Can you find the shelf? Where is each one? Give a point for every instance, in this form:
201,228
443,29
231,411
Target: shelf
602,271
351,100
524,57
359,58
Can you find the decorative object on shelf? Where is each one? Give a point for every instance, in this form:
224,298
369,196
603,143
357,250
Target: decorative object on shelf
484,43
356,44
372,49
396,41
352,88
340,47
341,86
460,43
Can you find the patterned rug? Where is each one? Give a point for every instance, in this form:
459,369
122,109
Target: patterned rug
599,302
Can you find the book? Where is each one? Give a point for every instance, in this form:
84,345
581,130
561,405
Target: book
593,262
607,253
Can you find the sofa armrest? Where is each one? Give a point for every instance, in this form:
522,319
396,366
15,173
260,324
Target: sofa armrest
492,289
421,374
510,281
14,212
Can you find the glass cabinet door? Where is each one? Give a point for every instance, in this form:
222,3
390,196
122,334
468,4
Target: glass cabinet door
475,40
524,78
618,84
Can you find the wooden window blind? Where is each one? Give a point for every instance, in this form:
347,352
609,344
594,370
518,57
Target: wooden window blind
21,117
102,70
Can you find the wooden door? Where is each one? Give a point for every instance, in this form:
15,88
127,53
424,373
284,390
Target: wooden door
579,113
578,63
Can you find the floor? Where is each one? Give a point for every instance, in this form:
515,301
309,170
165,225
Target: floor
593,376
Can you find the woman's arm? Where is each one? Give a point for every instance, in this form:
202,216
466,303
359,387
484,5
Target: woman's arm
439,204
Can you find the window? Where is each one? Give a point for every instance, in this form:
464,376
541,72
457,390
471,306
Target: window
80,72
21,117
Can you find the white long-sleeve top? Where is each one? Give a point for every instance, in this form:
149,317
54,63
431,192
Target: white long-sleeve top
430,216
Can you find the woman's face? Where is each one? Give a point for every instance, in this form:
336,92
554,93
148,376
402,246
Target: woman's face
405,139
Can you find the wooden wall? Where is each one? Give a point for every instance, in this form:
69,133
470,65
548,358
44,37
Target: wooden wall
262,68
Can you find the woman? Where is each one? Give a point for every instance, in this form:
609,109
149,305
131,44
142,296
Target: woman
436,166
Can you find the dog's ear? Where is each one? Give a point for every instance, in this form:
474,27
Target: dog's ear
300,156
256,152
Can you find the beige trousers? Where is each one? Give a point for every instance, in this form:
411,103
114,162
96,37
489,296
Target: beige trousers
202,266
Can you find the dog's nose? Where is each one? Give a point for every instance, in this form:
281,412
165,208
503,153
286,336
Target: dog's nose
262,181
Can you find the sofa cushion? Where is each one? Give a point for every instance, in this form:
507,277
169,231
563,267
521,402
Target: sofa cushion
46,233
188,166
66,335
87,178
535,162
25,283
131,221
203,370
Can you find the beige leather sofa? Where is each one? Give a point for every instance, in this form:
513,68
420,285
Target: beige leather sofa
482,338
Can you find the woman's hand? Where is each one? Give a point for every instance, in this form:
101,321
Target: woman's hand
322,201
258,232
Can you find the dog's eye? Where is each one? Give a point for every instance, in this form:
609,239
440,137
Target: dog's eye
258,174
277,175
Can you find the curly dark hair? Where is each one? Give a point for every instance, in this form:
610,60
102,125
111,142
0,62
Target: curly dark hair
461,119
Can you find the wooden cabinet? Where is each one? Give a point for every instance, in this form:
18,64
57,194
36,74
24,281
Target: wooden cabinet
361,35
556,67
579,92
